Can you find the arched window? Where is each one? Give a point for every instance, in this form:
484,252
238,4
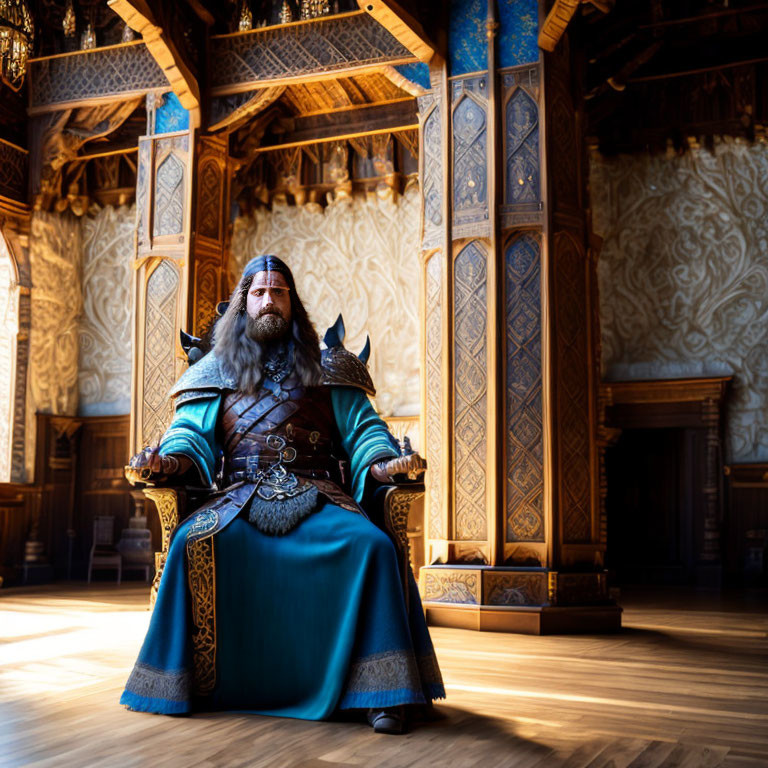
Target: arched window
9,326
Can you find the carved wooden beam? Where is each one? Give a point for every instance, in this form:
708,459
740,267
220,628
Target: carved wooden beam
343,124
556,22
401,25
139,17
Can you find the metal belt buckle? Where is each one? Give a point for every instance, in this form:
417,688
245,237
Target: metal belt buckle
252,467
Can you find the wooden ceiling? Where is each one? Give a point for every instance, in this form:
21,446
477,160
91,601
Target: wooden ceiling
657,72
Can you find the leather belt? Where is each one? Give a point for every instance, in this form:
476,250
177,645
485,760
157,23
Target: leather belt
250,468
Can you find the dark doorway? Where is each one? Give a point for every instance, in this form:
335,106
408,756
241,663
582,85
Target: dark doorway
649,506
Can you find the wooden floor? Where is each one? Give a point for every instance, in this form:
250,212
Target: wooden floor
685,684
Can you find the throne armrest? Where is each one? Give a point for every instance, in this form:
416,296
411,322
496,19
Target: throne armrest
170,503
392,504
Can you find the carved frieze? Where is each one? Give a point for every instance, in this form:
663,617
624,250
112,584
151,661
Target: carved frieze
99,73
452,586
504,588
470,377
325,45
524,431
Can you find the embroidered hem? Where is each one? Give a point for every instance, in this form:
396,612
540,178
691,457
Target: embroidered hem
151,683
388,671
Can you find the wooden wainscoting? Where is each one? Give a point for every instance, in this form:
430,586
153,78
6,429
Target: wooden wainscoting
746,530
78,474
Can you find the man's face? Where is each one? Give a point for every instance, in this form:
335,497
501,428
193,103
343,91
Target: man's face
268,306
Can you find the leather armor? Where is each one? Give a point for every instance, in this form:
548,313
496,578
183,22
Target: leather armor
304,419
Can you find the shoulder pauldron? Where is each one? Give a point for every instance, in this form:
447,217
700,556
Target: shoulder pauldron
342,368
205,376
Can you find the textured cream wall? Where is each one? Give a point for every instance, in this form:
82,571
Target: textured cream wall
683,274
55,258
104,375
358,256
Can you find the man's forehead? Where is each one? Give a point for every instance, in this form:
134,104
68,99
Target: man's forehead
269,280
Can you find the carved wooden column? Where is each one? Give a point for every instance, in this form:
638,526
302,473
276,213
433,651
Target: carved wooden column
513,528
162,278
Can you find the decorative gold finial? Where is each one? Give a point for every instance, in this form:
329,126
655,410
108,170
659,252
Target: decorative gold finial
286,14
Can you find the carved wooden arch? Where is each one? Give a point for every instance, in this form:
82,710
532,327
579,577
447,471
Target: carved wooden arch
14,231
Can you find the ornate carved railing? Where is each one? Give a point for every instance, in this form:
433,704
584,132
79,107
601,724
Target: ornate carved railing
101,73
346,42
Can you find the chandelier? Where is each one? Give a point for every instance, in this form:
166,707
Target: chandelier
16,36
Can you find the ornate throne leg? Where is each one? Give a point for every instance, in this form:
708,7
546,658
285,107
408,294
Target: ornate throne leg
167,502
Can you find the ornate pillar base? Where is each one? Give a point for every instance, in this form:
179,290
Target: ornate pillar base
531,601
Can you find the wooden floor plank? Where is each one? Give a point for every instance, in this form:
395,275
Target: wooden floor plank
684,685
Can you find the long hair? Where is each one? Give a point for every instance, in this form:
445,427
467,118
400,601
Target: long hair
242,355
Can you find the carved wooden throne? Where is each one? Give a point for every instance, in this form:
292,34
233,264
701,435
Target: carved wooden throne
389,508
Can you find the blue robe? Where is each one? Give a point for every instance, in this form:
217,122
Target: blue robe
298,625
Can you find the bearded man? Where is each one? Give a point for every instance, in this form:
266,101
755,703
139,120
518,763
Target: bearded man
279,596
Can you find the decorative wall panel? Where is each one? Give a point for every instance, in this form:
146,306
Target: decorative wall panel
432,171
434,407
501,588
572,372
55,253
470,391
143,174
94,74
169,197
452,586
524,431
358,256
321,46
521,151
683,275
104,376
470,162
159,346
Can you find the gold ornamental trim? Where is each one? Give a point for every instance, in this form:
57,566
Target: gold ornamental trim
201,575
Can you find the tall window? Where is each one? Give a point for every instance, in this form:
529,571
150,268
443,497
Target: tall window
9,325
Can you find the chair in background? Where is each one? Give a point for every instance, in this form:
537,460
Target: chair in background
135,546
104,554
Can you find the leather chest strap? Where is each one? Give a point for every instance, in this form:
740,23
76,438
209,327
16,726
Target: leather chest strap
278,411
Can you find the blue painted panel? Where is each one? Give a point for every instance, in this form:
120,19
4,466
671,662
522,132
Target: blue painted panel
417,73
467,44
171,116
518,32
522,149
525,446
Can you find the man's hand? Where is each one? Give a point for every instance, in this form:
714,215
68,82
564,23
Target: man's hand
149,466
412,465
